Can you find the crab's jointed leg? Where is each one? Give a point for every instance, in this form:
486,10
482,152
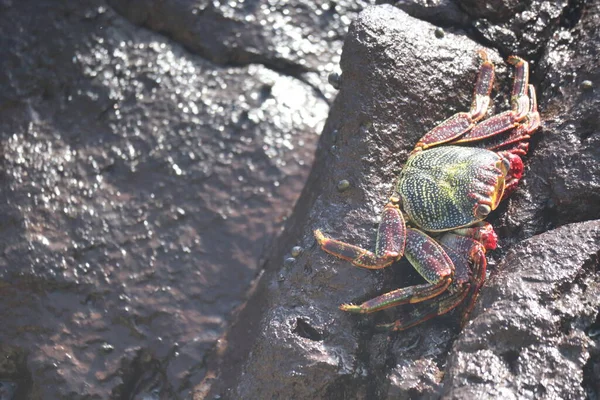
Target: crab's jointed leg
520,121
468,257
483,232
425,311
391,238
430,260
455,126
517,138
523,116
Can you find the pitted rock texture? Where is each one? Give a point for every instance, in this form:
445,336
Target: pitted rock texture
400,76
563,181
141,185
521,27
301,37
151,149
538,322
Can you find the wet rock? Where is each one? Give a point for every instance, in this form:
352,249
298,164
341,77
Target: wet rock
141,185
300,37
562,183
143,180
534,333
438,12
7,390
540,311
399,79
518,27
15,381
495,10
513,27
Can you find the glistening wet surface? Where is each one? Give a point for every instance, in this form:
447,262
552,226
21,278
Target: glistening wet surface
141,184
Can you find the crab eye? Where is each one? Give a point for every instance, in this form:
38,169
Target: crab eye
504,165
482,210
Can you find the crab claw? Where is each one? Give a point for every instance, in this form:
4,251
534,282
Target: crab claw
483,232
391,239
514,174
488,237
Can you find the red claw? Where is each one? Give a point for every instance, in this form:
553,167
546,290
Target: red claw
482,232
514,174
488,238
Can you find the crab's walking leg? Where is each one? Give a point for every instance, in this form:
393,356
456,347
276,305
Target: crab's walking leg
424,311
516,141
391,238
430,260
523,109
483,232
519,99
462,122
468,257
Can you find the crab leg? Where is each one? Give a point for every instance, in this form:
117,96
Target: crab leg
430,260
523,109
424,311
391,238
519,99
523,131
468,257
483,88
462,122
483,232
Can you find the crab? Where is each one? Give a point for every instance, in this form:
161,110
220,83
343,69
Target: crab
457,174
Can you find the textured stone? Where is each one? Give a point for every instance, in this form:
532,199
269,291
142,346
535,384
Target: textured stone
533,334
539,310
301,37
152,148
140,186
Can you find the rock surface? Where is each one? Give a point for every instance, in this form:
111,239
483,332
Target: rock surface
151,150
141,186
534,333
563,181
538,334
300,37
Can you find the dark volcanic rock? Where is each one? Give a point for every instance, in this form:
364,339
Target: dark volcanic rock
512,27
301,37
562,184
439,12
494,10
519,27
141,185
534,336
143,180
398,80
